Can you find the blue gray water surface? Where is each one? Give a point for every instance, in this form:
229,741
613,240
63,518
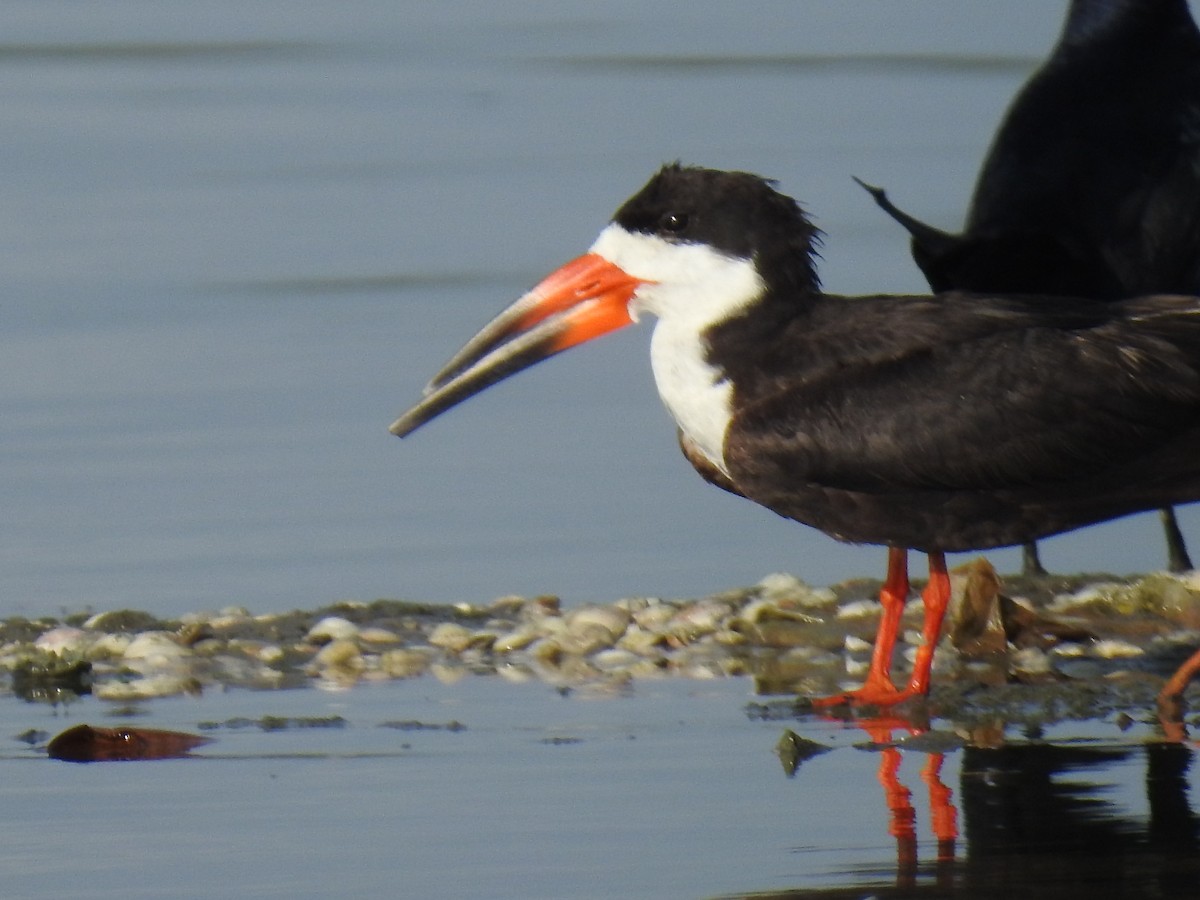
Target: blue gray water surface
238,237
672,790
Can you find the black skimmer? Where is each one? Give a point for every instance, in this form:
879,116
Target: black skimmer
1091,187
935,423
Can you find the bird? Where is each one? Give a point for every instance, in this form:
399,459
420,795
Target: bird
1091,186
932,423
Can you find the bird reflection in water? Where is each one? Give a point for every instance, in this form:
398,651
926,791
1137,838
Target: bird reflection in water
1037,822
901,814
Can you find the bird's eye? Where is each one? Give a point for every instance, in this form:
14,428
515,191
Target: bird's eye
673,223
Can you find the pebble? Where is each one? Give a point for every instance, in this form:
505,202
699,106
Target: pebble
378,636
1114,649
1030,661
155,648
62,640
404,663
642,641
164,685
517,639
593,628
859,609
340,661
331,628
126,620
857,645
783,590
109,646
695,620
451,636
1070,650
615,660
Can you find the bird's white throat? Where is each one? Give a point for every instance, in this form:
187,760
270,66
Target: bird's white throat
691,288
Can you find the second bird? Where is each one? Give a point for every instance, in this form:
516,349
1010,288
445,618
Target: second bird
1091,187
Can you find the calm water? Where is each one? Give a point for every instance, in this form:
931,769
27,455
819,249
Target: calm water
237,240
671,791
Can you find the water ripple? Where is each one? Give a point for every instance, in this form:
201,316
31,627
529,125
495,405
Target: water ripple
867,62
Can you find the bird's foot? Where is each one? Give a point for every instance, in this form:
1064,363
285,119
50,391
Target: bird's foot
879,692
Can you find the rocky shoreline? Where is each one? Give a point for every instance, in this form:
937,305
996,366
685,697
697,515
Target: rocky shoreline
1083,646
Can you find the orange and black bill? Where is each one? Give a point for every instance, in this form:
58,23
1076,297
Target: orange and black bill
584,299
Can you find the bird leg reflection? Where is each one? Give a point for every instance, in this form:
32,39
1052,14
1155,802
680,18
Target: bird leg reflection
901,814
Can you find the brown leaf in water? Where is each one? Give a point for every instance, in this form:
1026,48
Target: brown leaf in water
83,743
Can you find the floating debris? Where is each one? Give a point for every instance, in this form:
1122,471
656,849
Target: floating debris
276,723
414,725
83,743
32,736
794,750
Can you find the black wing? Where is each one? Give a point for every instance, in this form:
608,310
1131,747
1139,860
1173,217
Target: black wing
971,394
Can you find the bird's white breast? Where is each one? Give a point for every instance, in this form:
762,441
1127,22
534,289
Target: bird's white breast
695,393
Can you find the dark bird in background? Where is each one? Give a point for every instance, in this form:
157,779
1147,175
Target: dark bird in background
936,423
1091,187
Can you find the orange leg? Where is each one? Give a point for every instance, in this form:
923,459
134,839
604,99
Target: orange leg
1170,698
878,689
1178,682
936,598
